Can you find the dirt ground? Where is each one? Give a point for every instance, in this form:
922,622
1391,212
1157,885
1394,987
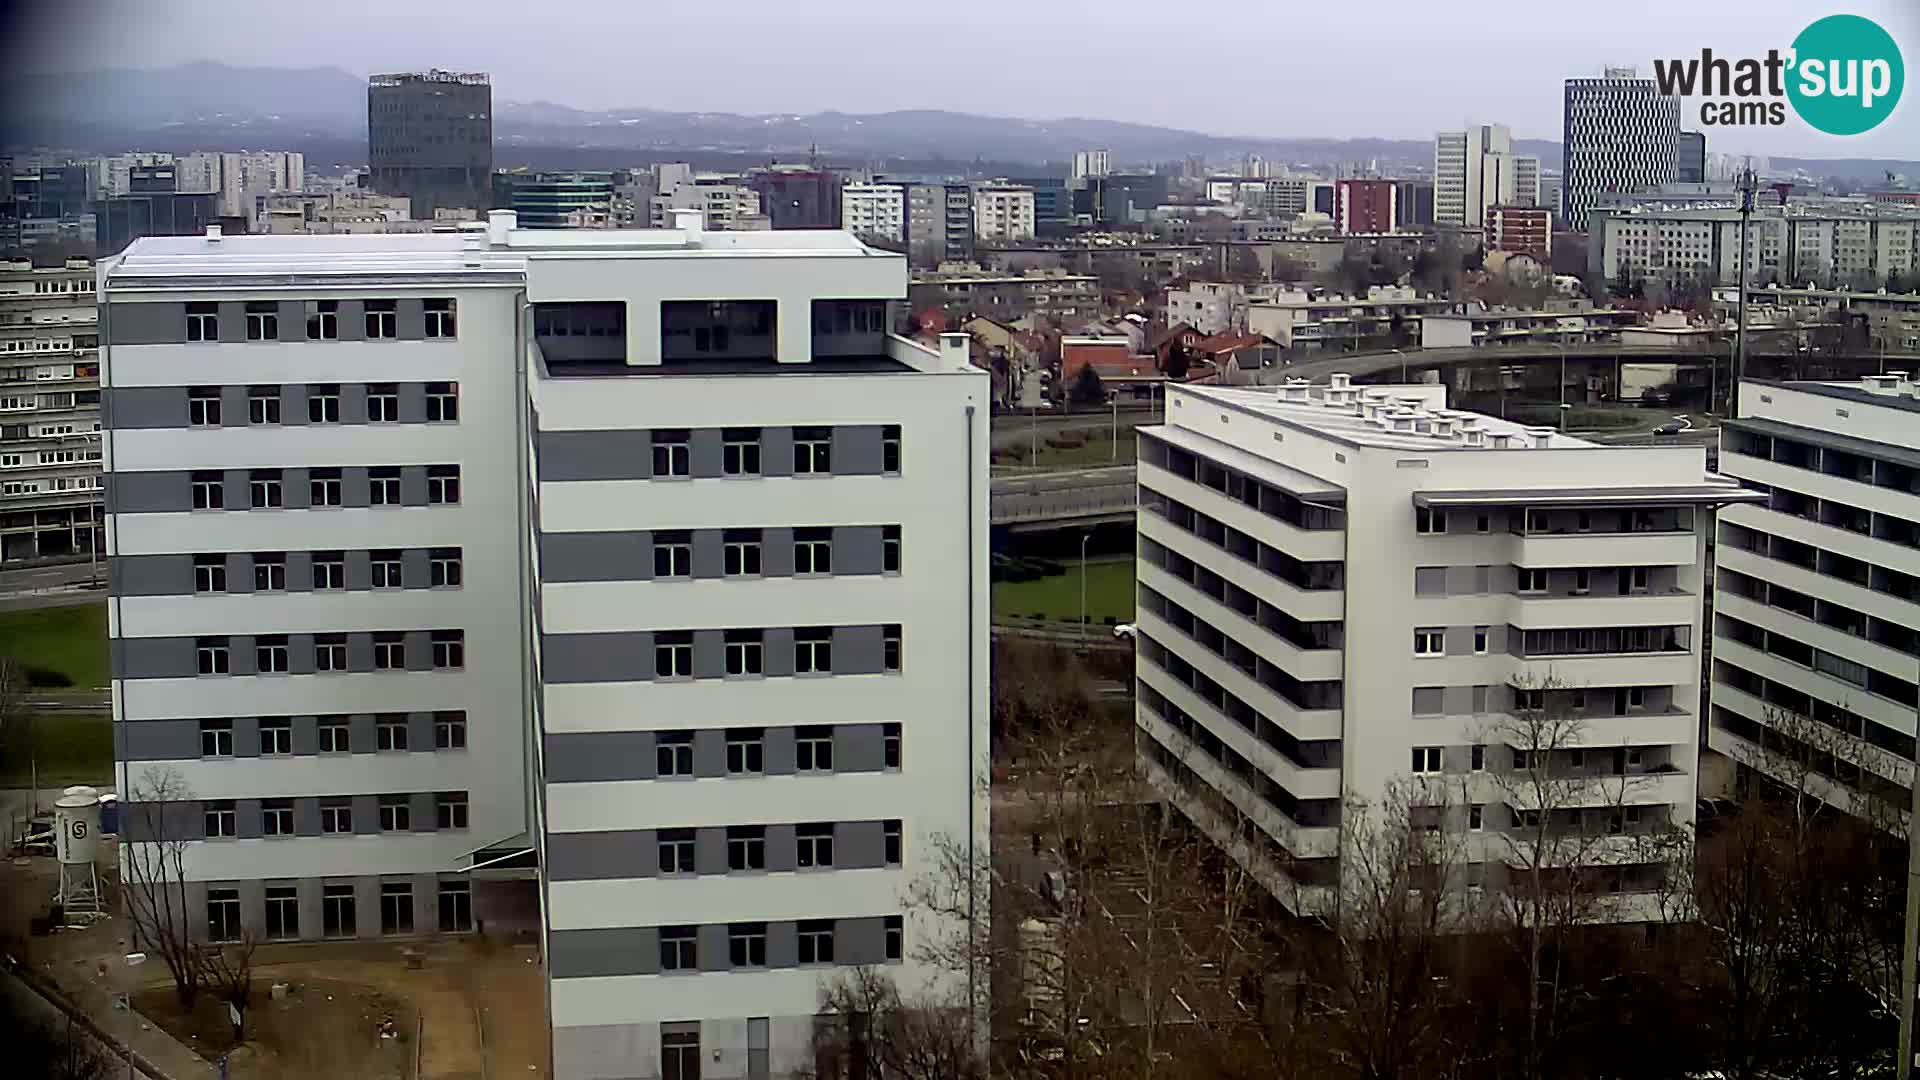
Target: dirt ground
317,1030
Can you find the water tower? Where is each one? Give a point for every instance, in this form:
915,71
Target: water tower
76,837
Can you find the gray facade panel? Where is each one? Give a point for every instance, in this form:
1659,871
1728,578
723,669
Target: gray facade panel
157,740
413,485
1454,700
595,455
353,403
776,451
233,321
416,568
710,850
239,495
859,941
709,654
354,488
600,856
240,572
589,953
366,821
410,318
306,729
306,821
359,655
859,845
778,753
422,811
359,572
709,554
413,403
591,756
151,575
709,751
126,408
156,658
246,736
578,658
353,320
300,655
293,320
419,645
293,403
704,453
781,855
712,953
857,450
147,324
777,651
856,549
361,733
1430,580
246,816
233,406
151,492
596,556
419,731
299,571
296,489
179,820
857,650
858,748
783,945
776,552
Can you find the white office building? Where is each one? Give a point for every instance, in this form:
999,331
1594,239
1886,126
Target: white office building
1088,163
1342,588
1855,246
49,412
1477,168
1620,134
1817,599
876,210
1002,213
664,636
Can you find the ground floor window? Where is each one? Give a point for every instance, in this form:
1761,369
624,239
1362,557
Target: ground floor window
336,911
396,907
456,907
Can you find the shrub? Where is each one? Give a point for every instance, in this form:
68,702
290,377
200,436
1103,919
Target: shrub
46,678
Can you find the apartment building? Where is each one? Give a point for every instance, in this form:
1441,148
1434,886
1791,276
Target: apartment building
1347,588
1476,168
1857,246
49,412
1311,319
1002,213
664,637
876,210
1006,296
726,203
1817,598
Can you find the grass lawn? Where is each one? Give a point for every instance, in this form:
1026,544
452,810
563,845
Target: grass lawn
1097,451
71,639
70,748
1109,592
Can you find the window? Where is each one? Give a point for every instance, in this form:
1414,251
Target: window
276,735
389,651
385,567
220,820
449,650
740,451
812,450
746,847
203,322
269,571
1480,641
813,650
396,907
1483,523
449,731
890,648
383,403
741,557
450,810
439,313
1582,582
1476,817
676,851
743,651
679,1050
747,945
323,320
1479,758
208,491
336,911
396,813
1522,760
672,453
263,489
283,913
263,320
673,655
329,570
816,941
209,573
673,754
672,554
1632,699
216,738
1529,699
1636,579
1429,641
1536,521
895,934
1583,521
335,735
443,402
223,913
890,449
890,549
746,751
893,841
203,406
1533,581
276,817
678,951
323,403
383,319
263,404
813,749
443,568
1426,759
1431,522
443,484
210,654
390,731
323,487
890,745
456,907
815,846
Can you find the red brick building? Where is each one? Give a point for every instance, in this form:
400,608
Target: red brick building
1364,206
1527,230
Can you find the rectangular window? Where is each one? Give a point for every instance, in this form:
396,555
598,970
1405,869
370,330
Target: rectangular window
203,322
746,847
890,449
323,320
741,556
890,655
209,573
816,941
673,754
1480,640
223,915
744,652
1582,582
676,851
1426,759
456,907
216,738
390,731
396,907
449,650
813,650
220,819
323,403
329,570
263,320
263,489
283,913
1479,757
450,810
813,749
443,568
276,735
1429,641
209,491
439,313
672,554
384,565
815,845
383,403
679,952
269,571
740,451
449,731
1636,579
443,485
396,813
390,651
276,817
672,452
1429,522
443,402
1476,817
1533,581
746,751
383,319
813,551
679,1050
336,911
890,549
895,931
323,487
673,654
210,655
203,406
263,404
892,841
336,735
890,745
747,945
812,450
1529,699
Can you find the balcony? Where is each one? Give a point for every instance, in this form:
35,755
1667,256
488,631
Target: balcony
1593,550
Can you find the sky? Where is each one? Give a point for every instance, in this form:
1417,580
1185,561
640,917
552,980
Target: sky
1275,68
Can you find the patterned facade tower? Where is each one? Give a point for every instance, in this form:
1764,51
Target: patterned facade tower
1621,134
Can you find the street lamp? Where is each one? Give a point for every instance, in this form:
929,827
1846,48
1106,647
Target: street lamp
133,962
1084,537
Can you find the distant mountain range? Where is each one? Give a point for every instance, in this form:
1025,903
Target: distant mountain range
214,106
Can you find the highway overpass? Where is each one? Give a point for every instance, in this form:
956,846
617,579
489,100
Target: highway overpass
1050,500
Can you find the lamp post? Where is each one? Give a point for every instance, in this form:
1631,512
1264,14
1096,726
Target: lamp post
1114,398
1084,537
133,962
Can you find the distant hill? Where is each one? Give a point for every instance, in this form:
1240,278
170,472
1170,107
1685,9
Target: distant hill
323,112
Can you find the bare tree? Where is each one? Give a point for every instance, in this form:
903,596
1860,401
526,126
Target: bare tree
872,1032
153,877
227,971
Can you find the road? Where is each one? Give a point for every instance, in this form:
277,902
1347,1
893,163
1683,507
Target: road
50,586
1013,431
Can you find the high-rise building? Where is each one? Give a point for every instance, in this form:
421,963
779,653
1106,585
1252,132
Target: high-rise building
875,210
1364,206
1397,595
1091,163
49,412
1621,134
1526,180
1691,166
729,205
1002,213
241,180
122,219
1817,595
1523,230
430,138
939,223
1412,204
1477,168
562,200
797,196
661,533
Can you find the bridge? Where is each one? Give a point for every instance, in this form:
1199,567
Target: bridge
1050,500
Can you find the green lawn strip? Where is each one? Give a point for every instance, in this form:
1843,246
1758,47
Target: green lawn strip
1109,593
69,748
70,639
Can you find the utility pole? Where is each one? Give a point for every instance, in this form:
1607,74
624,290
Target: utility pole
1747,182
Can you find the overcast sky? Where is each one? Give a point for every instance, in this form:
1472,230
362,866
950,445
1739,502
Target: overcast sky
1391,68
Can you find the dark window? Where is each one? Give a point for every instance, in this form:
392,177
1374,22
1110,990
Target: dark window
216,738
383,403
323,320
816,941
269,571
440,322
283,913
263,320
896,934
336,910
383,319
679,1050
276,735
384,565
449,649
890,549
263,489
812,450
209,491
813,650
336,735
210,654
456,907
223,913
747,945
673,753
323,403
443,484
746,751
890,745
673,654
276,817
746,847
450,810
672,452
203,322
890,448
209,573
443,402
396,813
890,647
263,404
744,652
389,651
676,850
323,487
813,749
444,568
813,551
740,451
329,570
815,845
449,731
672,553
678,949
893,841
396,907
741,552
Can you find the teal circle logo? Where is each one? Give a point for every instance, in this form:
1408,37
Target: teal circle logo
1846,75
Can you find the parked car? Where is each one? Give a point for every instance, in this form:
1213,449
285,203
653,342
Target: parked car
1671,427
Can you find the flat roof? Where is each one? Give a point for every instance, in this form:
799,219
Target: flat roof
1820,437
824,365
1846,391
1299,484
1268,402
1673,494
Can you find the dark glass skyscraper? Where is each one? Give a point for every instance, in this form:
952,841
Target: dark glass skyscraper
430,138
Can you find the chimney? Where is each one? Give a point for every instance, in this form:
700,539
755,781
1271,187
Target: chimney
1501,440
213,234
1474,436
1340,380
1541,437
470,250
691,222
1443,427
1296,390
500,225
